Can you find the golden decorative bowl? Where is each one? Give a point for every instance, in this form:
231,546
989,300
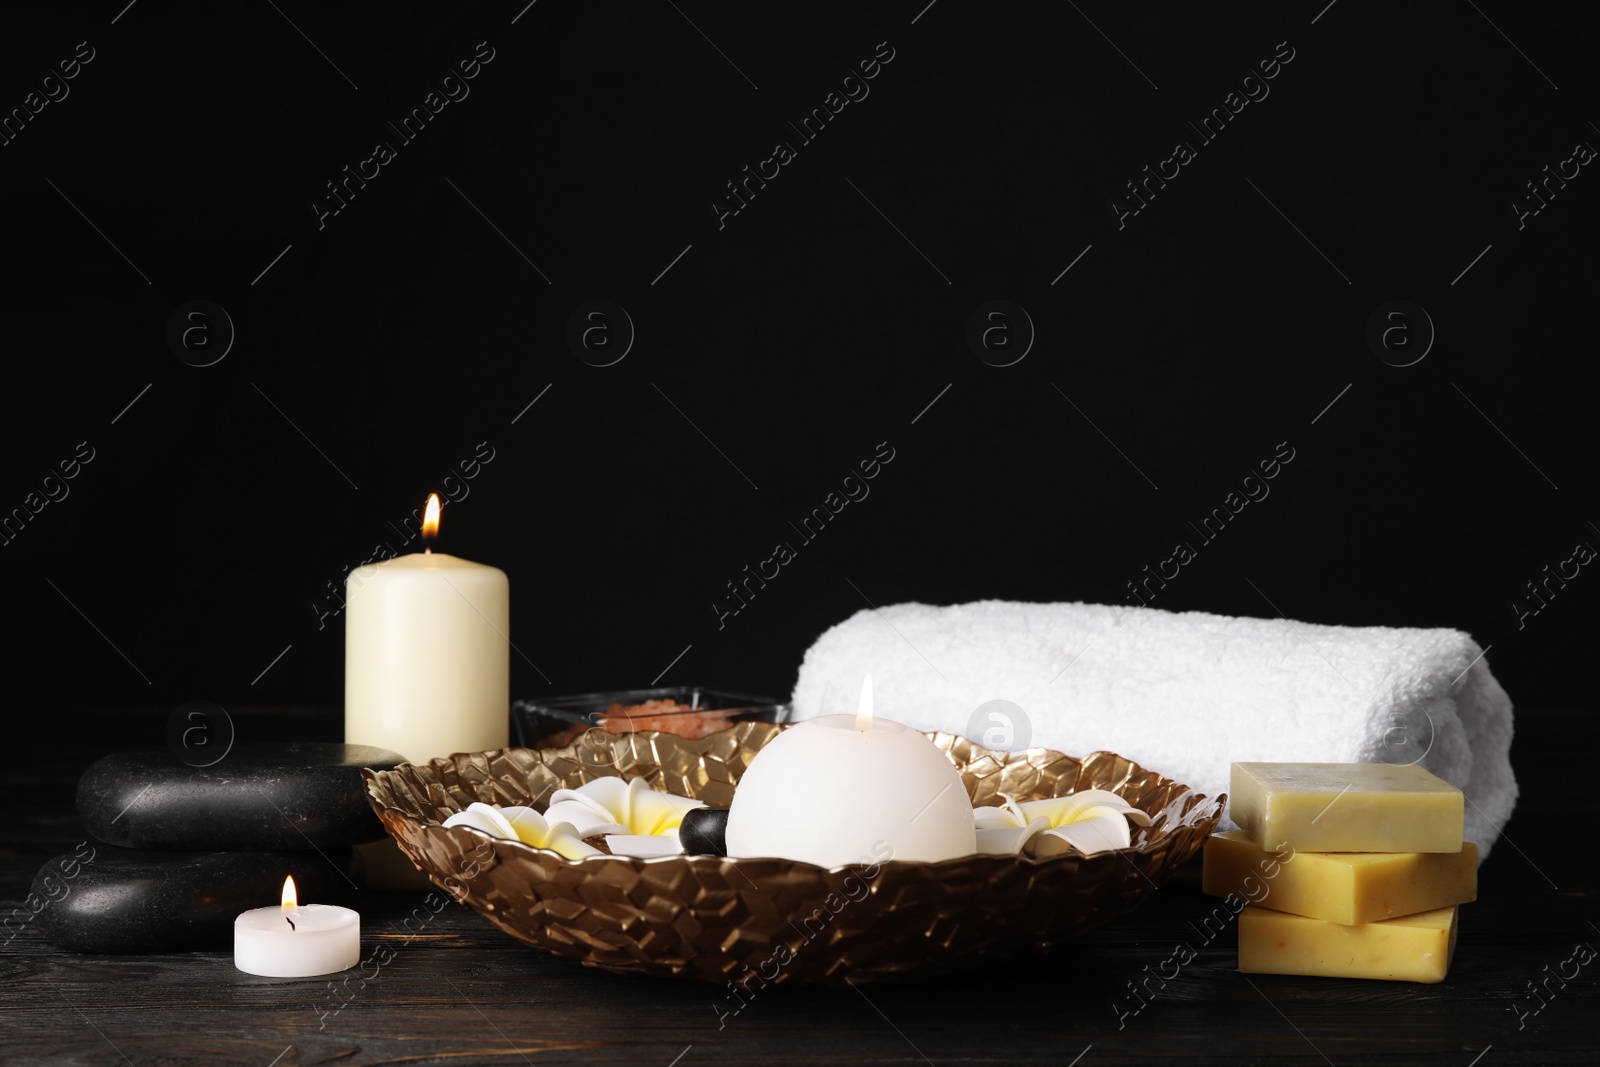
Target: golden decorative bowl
771,920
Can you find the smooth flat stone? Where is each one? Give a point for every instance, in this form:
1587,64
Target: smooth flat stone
108,899
299,795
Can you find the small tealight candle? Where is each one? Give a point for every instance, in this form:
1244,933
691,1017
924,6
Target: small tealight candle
295,941
842,789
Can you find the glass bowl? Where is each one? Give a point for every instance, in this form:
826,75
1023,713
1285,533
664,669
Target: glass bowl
535,723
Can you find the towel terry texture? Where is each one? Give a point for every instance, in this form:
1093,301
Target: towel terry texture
1185,695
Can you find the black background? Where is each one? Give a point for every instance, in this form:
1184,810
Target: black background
407,330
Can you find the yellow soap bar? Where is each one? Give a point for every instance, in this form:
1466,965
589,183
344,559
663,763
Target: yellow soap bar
1412,948
1346,807
1342,887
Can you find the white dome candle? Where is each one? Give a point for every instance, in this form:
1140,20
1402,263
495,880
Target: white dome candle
427,662
842,789
292,941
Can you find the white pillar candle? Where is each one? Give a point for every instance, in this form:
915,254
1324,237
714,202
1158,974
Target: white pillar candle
842,789
296,941
427,664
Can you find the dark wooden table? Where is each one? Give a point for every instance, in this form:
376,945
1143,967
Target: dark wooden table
460,992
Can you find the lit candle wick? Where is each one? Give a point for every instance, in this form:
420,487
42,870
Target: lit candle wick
864,706
291,902
430,524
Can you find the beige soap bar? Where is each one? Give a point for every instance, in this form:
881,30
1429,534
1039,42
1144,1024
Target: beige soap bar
1346,807
1412,948
1342,887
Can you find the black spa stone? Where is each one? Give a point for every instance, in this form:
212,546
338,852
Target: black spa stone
299,795
107,899
704,832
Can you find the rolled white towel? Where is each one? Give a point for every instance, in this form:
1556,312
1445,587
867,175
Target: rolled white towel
1185,695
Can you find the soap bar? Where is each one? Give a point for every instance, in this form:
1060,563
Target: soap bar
1412,948
1342,887
1346,807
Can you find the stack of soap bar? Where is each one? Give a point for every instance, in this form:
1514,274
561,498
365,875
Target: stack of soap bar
1351,869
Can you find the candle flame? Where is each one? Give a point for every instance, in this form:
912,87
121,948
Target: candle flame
291,900
430,520
864,707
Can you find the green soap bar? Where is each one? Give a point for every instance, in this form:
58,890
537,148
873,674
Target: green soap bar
1346,807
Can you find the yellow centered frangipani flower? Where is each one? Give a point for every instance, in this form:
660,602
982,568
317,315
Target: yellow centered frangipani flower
523,824
1095,820
637,820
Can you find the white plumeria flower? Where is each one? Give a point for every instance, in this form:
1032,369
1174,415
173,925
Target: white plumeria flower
637,820
1095,820
644,846
615,806
526,825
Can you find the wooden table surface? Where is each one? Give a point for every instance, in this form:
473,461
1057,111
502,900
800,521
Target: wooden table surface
460,992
